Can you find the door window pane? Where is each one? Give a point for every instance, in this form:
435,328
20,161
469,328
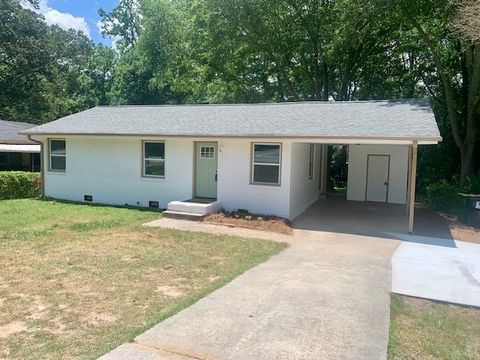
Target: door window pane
207,152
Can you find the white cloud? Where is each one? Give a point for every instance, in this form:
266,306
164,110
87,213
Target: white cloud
64,20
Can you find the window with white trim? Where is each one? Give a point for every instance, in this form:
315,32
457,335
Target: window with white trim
266,163
154,158
58,155
311,162
207,152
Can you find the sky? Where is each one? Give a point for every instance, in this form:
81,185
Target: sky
77,14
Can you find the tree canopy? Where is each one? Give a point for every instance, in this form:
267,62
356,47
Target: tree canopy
216,51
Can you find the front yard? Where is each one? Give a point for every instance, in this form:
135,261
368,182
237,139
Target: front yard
422,329
78,280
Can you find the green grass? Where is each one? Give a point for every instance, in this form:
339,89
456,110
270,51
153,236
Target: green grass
78,280
422,329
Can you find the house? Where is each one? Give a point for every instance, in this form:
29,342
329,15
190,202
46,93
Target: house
264,158
17,152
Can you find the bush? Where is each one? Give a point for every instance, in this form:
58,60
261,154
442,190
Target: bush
473,184
443,196
19,185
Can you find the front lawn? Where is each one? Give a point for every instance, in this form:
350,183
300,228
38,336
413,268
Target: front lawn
422,329
78,280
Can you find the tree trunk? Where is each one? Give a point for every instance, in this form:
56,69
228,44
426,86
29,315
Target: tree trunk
467,164
464,132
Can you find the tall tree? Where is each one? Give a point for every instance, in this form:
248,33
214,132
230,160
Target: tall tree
24,62
455,82
122,24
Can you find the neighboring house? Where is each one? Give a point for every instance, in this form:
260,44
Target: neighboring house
17,152
264,158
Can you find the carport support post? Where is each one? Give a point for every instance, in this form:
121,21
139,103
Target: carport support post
412,182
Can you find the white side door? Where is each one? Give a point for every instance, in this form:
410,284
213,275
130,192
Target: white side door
378,170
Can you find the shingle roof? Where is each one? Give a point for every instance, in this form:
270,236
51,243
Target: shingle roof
392,119
9,132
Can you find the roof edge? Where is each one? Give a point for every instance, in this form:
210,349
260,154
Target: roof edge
418,138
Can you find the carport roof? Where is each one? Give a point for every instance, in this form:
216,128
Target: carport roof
386,119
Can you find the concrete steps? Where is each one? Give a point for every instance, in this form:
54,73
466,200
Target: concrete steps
183,215
191,209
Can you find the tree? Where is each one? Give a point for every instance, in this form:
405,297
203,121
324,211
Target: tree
454,81
24,62
467,21
45,72
122,24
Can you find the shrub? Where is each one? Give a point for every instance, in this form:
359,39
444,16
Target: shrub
19,185
473,184
443,196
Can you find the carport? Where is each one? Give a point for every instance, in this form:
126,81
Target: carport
381,186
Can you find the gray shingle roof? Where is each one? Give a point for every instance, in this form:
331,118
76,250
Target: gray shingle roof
393,119
9,132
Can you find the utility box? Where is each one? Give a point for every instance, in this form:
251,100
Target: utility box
472,209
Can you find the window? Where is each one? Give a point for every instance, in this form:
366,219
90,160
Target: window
154,158
266,164
58,155
311,162
207,152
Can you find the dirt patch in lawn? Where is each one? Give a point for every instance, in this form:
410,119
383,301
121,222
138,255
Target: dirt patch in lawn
99,319
251,221
12,328
170,291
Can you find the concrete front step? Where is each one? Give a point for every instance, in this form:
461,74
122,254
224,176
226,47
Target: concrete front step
183,215
194,207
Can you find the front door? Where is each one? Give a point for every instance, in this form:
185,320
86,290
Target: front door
378,170
206,170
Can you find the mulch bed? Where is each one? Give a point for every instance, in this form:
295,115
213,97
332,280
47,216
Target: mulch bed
251,221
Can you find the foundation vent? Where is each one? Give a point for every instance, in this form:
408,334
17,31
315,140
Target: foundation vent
153,204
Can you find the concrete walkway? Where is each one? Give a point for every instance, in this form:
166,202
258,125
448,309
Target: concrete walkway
325,297
437,269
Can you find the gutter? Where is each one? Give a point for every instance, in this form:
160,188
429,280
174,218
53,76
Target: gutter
244,136
42,161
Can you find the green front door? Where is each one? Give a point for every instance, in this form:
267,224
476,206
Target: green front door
206,170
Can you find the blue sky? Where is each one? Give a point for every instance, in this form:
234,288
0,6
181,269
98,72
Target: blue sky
77,14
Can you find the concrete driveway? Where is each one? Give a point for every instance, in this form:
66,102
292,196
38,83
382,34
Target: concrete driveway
437,269
325,297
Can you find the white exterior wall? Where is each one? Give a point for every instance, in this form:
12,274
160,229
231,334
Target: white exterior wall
234,186
110,170
357,171
303,191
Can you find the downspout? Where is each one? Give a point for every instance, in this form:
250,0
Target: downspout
42,161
